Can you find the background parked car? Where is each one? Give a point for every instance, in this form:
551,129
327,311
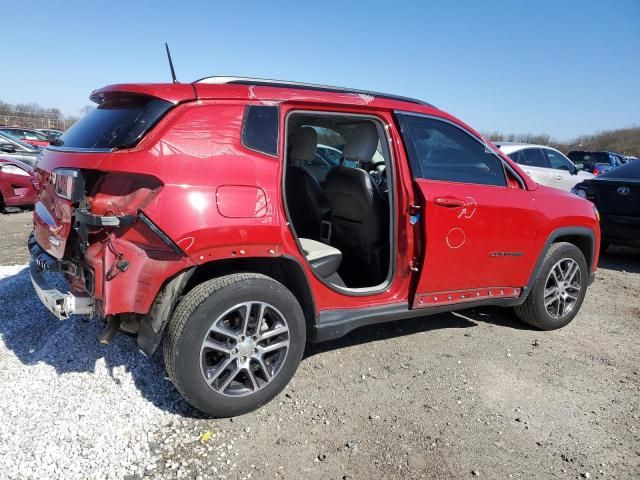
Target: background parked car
545,165
326,158
16,150
596,162
628,158
616,194
18,185
26,135
53,134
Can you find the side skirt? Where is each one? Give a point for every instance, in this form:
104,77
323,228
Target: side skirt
332,324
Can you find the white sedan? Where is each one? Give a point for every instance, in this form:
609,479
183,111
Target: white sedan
545,165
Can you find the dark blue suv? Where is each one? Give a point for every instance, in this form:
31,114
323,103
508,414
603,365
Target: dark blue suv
595,162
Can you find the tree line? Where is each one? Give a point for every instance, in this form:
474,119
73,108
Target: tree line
33,115
625,141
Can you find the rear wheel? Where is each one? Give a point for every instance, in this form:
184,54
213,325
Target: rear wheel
234,343
559,290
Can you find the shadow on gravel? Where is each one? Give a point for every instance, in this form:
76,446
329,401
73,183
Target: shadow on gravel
70,346
620,258
502,317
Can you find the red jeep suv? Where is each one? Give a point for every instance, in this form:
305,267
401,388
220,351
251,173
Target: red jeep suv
202,214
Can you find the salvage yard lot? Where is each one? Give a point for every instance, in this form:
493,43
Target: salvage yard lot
436,397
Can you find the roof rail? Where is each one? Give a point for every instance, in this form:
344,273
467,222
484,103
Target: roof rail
222,80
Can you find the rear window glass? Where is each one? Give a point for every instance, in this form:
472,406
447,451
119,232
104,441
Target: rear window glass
118,122
590,158
260,130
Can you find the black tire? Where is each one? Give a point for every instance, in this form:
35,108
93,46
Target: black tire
533,310
190,325
5,209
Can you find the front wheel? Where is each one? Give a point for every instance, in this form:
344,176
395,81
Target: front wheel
234,343
559,290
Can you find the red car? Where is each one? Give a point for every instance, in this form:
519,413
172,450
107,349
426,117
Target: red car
200,213
26,135
18,184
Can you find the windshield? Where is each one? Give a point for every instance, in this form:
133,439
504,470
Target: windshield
118,122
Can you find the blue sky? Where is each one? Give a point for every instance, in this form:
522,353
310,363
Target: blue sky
558,67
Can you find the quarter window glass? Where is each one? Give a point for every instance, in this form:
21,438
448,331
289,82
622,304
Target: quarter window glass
439,150
558,161
260,130
533,157
517,157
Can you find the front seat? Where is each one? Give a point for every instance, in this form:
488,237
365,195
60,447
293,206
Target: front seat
306,200
360,213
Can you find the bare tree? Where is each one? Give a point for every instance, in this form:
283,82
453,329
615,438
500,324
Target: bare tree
86,109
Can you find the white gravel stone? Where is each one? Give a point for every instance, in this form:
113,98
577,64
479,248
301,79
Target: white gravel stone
70,408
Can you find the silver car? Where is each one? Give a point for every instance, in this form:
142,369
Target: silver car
17,150
545,165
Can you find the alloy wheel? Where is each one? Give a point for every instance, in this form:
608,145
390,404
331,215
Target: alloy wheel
244,349
562,288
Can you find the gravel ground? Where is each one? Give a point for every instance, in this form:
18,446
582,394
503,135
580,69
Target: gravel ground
14,232
468,395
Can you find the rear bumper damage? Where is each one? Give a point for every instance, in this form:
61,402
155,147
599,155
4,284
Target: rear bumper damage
62,305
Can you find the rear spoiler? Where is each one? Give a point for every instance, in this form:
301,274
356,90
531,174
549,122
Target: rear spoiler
170,92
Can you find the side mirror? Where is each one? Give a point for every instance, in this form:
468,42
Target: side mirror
7,148
579,167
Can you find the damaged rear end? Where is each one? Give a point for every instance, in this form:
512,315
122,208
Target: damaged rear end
90,222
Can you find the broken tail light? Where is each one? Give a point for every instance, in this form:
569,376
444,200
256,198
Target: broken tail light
68,183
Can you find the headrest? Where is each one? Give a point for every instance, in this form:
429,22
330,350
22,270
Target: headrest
362,143
304,144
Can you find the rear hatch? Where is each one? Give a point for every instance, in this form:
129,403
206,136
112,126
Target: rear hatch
120,121
616,198
617,192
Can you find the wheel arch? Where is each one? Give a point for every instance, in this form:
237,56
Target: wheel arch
285,269
582,237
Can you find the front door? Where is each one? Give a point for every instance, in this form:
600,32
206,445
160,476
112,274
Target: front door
564,172
478,227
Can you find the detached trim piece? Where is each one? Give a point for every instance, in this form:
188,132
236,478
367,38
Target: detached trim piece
85,221
163,236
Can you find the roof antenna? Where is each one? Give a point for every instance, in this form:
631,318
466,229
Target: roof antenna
173,72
